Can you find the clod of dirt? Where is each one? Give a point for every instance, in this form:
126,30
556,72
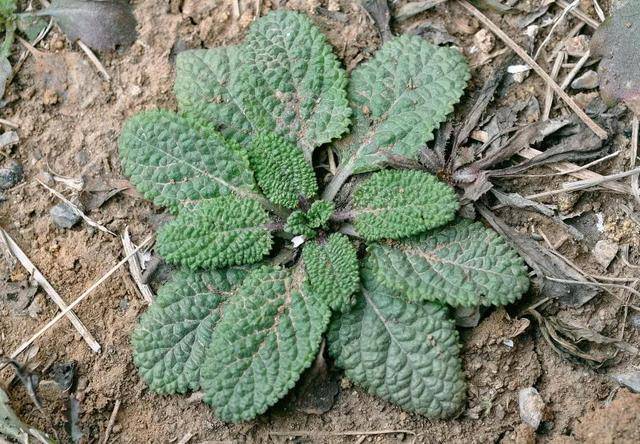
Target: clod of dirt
617,41
588,80
63,216
617,423
604,252
531,407
10,175
102,25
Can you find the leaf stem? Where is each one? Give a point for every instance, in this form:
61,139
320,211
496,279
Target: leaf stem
342,216
344,172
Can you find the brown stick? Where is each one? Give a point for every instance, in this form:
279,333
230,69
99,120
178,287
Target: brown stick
532,63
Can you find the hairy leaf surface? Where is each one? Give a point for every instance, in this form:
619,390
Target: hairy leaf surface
463,264
281,171
177,160
332,267
216,233
269,335
406,353
398,98
393,204
171,337
284,78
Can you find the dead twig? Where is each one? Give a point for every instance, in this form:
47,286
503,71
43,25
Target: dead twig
76,210
9,123
532,63
347,433
112,421
79,299
13,247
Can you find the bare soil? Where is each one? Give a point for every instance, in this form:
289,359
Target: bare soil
70,119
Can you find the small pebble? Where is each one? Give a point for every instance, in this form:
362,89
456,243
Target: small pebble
63,216
588,80
604,252
577,46
531,407
10,175
484,40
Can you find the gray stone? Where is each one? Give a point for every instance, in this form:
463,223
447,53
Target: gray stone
531,407
63,216
604,252
10,175
588,80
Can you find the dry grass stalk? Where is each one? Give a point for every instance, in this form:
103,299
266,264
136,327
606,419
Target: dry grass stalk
13,247
548,96
71,306
577,172
135,269
559,20
576,68
537,68
577,12
635,188
76,210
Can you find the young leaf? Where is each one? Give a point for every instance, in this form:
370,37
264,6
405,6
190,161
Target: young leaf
100,24
393,204
307,224
281,171
176,160
284,79
398,98
463,264
216,233
269,334
170,340
332,268
405,353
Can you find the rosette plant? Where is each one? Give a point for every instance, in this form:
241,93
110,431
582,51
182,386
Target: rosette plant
246,313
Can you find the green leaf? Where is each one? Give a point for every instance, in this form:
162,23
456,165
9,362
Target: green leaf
399,98
269,334
307,224
170,340
464,264
284,78
332,267
217,233
281,170
398,203
405,353
176,160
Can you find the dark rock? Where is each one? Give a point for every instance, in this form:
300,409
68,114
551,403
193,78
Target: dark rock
10,175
